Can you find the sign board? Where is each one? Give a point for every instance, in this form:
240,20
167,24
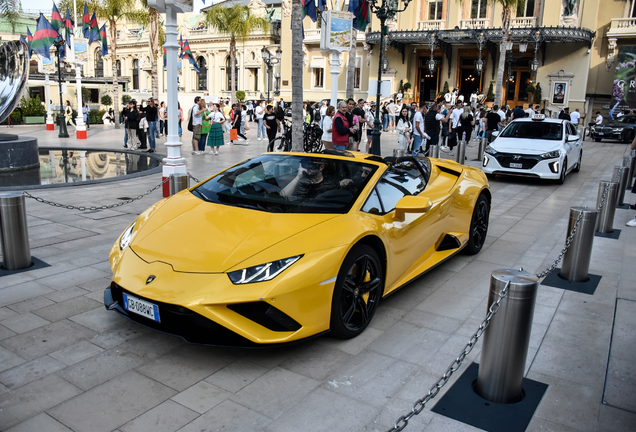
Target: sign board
624,91
336,33
385,89
180,6
79,50
46,66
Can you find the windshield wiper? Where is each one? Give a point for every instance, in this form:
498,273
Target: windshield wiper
200,195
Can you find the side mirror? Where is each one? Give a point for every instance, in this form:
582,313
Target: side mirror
495,134
411,204
573,138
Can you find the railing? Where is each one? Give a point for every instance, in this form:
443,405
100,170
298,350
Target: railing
524,22
622,27
199,31
312,35
431,25
476,23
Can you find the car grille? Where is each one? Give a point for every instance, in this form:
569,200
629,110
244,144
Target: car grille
603,129
526,161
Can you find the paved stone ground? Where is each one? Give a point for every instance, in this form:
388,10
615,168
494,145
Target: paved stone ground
68,364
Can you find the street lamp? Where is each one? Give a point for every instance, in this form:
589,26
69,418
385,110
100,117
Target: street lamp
384,10
270,60
479,63
59,43
534,63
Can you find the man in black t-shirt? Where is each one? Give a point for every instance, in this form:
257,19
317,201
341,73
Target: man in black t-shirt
271,123
151,118
492,120
565,114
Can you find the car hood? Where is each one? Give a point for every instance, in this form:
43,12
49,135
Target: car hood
196,236
524,146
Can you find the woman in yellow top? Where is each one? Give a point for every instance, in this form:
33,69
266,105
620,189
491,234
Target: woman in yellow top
226,112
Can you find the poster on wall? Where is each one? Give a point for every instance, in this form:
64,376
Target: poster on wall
624,90
558,95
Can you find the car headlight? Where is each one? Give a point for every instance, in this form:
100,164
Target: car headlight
124,241
618,129
262,272
551,155
490,150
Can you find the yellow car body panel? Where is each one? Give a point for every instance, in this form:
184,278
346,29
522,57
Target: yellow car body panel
189,246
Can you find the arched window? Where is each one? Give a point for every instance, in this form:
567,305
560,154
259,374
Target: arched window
135,74
202,76
99,63
229,76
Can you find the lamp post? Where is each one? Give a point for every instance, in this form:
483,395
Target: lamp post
523,46
384,10
534,63
270,60
59,43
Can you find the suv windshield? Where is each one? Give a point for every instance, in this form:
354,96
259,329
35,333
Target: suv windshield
534,130
289,184
626,120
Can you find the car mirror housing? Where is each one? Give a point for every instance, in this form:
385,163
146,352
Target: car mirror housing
495,133
411,204
573,138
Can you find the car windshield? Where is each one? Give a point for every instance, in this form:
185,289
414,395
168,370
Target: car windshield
289,184
534,130
626,120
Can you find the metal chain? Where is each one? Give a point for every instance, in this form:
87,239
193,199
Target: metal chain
93,208
603,198
196,180
568,242
418,406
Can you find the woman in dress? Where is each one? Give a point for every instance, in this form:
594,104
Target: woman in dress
68,114
404,129
206,126
215,137
327,127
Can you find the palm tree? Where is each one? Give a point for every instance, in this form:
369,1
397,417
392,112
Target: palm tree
297,75
153,45
351,65
506,19
9,9
238,22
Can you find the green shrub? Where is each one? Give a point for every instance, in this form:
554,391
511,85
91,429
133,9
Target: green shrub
240,95
106,100
86,95
32,107
490,96
407,86
530,88
537,94
126,98
16,118
96,116
445,89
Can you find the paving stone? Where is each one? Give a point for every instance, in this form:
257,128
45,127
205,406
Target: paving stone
99,368
282,387
150,344
76,352
166,417
449,305
185,366
24,323
66,293
201,397
125,397
72,277
20,292
323,410
34,398
30,304
41,422
6,313
9,359
352,346
99,319
46,339
236,375
31,371
67,308
316,362
616,420
228,416
405,341
537,424
6,333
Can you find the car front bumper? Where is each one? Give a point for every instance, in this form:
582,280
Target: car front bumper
532,166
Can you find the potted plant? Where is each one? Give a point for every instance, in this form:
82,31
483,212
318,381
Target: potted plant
530,88
240,96
33,112
490,96
537,94
407,96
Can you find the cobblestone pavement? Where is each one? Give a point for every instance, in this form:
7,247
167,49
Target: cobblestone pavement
68,364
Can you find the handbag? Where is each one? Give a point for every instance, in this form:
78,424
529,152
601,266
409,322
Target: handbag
190,127
246,127
233,134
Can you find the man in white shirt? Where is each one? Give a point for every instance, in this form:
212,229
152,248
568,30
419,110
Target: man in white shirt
502,116
282,104
599,118
197,121
391,107
575,117
455,114
399,97
419,130
323,112
261,131
530,111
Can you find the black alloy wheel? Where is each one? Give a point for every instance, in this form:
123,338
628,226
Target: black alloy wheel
478,226
359,287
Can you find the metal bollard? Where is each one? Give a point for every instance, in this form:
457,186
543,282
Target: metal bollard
434,151
506,339
605,219
14,232
483,143
576,261
632,172
460,157
620,175
178,182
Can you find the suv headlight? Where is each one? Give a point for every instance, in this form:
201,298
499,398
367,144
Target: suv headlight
490,150
551,155
124,241
261,272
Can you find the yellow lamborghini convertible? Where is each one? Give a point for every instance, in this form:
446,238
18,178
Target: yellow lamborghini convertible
284,246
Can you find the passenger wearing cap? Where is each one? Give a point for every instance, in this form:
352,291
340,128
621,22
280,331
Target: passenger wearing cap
311,180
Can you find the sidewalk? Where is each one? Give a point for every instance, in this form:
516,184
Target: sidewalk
66,364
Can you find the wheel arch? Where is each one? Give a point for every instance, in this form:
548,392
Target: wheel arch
376,243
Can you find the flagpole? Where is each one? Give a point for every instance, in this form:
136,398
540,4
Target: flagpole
75,17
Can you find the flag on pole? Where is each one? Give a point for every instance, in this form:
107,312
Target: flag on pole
361,14
56,19
165,58
322,4
309,9
86,21
68,24
181,45
102,35
23,40
44,37
187,54
94,31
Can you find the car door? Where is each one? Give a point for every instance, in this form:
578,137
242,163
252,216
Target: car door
412,239
571,147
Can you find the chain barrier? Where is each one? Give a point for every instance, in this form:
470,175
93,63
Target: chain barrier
419,405
93,208
603,198
196,180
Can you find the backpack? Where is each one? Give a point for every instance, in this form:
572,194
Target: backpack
190,127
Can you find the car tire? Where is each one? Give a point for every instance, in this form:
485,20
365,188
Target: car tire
478,226
598,139
359,287
629,136
577,168
564,170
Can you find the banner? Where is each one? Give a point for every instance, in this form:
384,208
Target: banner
46,66
80,50
336,35
624,91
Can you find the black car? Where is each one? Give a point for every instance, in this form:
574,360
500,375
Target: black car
622,129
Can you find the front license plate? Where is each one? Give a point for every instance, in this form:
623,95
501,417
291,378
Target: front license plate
141,307
516,165
601,133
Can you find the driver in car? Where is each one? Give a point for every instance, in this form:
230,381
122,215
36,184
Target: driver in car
311,180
